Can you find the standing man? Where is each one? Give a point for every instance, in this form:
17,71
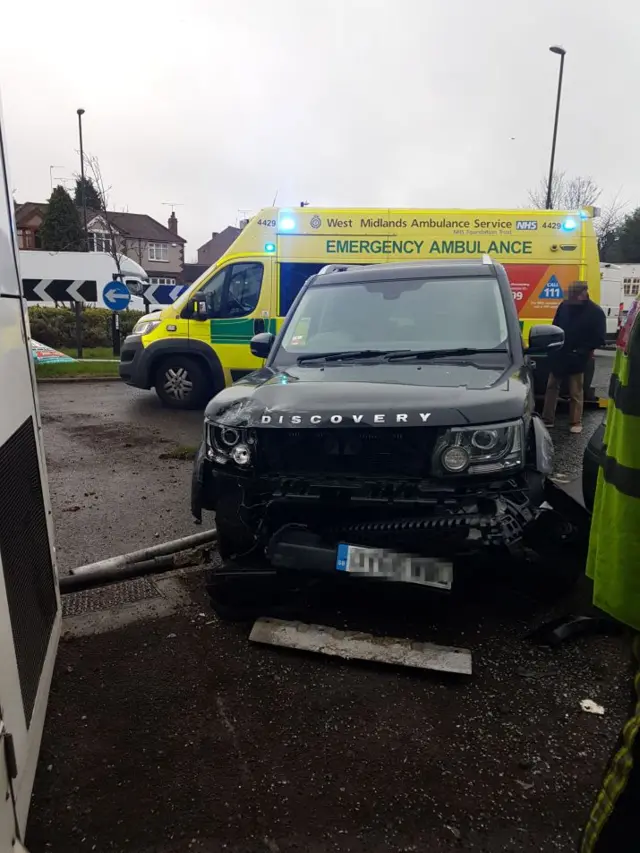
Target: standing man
614,566
585,326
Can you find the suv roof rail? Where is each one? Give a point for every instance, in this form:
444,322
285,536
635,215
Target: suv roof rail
338,268
486,259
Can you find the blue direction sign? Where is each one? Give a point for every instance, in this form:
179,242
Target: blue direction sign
552,289
116,296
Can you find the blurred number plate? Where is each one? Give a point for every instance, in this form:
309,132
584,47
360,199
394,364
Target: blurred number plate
376,562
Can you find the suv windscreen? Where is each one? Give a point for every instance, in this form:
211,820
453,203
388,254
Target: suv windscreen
414,314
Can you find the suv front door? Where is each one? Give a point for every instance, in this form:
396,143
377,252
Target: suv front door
240,299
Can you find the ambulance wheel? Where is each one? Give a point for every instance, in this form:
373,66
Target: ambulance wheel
182,383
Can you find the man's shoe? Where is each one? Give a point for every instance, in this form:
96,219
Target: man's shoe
548,424
576,429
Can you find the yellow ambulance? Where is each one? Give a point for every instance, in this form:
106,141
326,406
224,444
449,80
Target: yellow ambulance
193,348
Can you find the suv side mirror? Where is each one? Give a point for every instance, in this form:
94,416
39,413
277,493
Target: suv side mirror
261,344
545,339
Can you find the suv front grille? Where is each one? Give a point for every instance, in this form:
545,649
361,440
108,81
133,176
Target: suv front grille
384,452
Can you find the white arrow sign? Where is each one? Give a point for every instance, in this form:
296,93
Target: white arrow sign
72,290
175,292
151,292
41,289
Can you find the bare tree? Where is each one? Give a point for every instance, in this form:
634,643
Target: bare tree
566,193
113,247
607,227
575,193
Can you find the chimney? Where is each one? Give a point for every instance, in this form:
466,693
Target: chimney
173,223
214,234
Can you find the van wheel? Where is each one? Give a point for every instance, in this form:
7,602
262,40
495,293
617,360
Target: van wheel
182,383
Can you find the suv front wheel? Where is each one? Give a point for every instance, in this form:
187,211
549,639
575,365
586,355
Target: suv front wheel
182,383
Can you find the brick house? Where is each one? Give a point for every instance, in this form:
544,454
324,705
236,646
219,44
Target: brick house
214,248
157,248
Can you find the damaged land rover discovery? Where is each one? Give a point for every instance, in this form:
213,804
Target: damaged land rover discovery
390,433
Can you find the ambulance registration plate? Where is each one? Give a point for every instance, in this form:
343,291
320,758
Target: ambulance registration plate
389,565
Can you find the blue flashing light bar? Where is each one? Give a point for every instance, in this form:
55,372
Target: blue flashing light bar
287,223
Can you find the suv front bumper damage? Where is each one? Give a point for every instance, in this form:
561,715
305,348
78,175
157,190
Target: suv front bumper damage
297,523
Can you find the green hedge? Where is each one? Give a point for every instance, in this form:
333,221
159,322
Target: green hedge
56,327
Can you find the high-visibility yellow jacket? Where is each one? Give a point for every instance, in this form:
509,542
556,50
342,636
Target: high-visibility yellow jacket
614,547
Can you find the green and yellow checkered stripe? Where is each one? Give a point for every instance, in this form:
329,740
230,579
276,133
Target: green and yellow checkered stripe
619,769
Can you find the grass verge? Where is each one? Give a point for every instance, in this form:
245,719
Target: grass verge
77,369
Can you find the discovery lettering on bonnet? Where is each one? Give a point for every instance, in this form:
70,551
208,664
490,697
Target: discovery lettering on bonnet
344,419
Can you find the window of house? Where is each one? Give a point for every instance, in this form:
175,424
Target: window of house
627,290
158,251
161,280
634,289
25,238
100,241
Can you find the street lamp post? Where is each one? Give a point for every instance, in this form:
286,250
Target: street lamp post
561,53
83,199
83,196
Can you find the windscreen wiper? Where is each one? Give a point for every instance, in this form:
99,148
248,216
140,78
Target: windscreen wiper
438,353
348,355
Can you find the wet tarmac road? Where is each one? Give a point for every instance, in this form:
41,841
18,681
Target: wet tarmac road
111,489
176,734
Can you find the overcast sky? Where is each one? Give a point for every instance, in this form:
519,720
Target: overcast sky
219,105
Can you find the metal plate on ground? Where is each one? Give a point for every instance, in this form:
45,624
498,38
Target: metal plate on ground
118,605
389,565
106,598
356,645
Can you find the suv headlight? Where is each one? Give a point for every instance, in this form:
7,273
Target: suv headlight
143,327
229,444
480,449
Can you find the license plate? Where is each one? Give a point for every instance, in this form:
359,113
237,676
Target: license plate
406,568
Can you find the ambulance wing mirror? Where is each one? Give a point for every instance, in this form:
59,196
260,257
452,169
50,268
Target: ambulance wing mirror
545,339
261,344
201,307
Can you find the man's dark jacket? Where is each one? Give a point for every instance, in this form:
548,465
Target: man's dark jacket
585,326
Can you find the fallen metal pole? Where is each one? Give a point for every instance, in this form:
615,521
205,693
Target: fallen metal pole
114,563
103,577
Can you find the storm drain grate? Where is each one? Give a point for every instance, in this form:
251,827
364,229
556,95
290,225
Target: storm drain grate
110,597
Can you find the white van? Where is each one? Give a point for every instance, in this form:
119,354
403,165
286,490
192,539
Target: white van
83,266
611,296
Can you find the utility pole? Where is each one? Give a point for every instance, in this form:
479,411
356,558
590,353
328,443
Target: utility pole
83,198
560,51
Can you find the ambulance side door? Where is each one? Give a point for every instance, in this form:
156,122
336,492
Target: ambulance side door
240,300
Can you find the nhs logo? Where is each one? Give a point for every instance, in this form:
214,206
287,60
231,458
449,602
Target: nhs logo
526,225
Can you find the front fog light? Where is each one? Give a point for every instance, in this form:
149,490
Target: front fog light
455,459
241,455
